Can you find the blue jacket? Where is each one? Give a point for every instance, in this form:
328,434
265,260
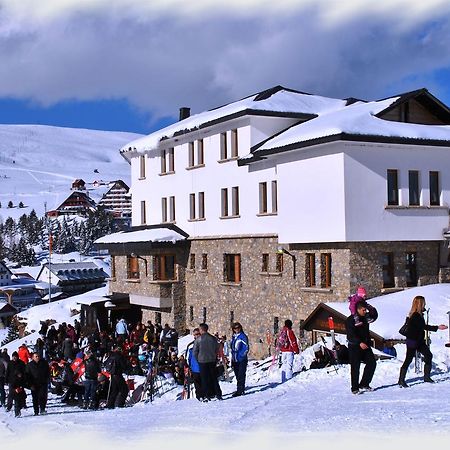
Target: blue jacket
192,362
239,347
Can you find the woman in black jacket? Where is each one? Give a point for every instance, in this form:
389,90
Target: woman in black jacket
415,340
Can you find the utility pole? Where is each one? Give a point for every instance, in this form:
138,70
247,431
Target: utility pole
50,245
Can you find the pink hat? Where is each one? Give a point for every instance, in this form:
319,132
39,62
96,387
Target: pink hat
361,291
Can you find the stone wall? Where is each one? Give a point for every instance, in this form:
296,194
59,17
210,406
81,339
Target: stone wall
147,286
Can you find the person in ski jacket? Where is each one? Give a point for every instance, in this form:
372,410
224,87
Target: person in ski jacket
288,346
67,349
24,354
116,365
92,369
121,330
239,357
38,376
16,380
359,348
194,366
415,340
205,352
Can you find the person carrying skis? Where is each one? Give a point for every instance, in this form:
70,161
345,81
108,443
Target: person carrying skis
415,340
288,346
359,350
239,357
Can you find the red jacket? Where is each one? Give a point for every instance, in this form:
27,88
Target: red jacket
293,345
24,354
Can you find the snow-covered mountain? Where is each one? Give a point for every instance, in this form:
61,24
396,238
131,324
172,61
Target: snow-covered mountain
38,163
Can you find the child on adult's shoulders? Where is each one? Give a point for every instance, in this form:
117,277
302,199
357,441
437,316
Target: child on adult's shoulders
359,296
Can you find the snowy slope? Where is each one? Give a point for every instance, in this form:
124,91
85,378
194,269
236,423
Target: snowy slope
38,163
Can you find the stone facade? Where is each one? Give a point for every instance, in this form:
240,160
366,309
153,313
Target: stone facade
262,298
270,289
147,286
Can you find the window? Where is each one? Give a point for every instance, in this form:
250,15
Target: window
224,201
132,268
192,206
276,325
172,209
167,161
204,314
231,317
143,213
274,197
191,313
164,209
392,186
310,270
325,270
204,261
414,189
235,201
200,153
163,161
193,209
387,262
142,166
164,267
411,269
158,317
113,267
234,144
191,155
192,261
223,146
201,205
279,263
301,329
435,189
265,262
264,198
232,268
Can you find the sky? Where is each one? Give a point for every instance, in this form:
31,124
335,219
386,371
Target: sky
129,65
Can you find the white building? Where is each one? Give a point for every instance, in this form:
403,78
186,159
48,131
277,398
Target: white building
354,191
5,275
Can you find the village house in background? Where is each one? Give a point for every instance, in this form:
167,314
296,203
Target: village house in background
113,197
5,274
73,277
261,209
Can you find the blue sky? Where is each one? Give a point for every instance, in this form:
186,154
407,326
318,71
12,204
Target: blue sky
130,64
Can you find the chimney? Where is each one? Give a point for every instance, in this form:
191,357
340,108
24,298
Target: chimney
184,113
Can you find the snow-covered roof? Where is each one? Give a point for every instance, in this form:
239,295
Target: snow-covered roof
149,235
76,271
276,101
393,308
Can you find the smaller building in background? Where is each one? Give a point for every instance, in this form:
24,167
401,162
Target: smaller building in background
74,278
5,275
117,200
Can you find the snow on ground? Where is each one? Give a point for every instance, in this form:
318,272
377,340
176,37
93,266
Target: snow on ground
38,164
315,407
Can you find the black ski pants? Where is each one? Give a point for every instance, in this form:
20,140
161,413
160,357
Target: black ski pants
357,356
118,392
210,383
240,371
411,352
197,385
39,394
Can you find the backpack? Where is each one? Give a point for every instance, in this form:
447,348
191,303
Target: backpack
283,339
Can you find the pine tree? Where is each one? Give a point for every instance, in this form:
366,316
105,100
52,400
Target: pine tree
10,204
21,205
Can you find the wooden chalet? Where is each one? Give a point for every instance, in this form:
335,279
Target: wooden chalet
317,324
77,203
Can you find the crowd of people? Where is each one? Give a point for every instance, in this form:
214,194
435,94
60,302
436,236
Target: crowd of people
89,369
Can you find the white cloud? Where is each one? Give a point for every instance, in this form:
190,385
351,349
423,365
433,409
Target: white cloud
162,54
